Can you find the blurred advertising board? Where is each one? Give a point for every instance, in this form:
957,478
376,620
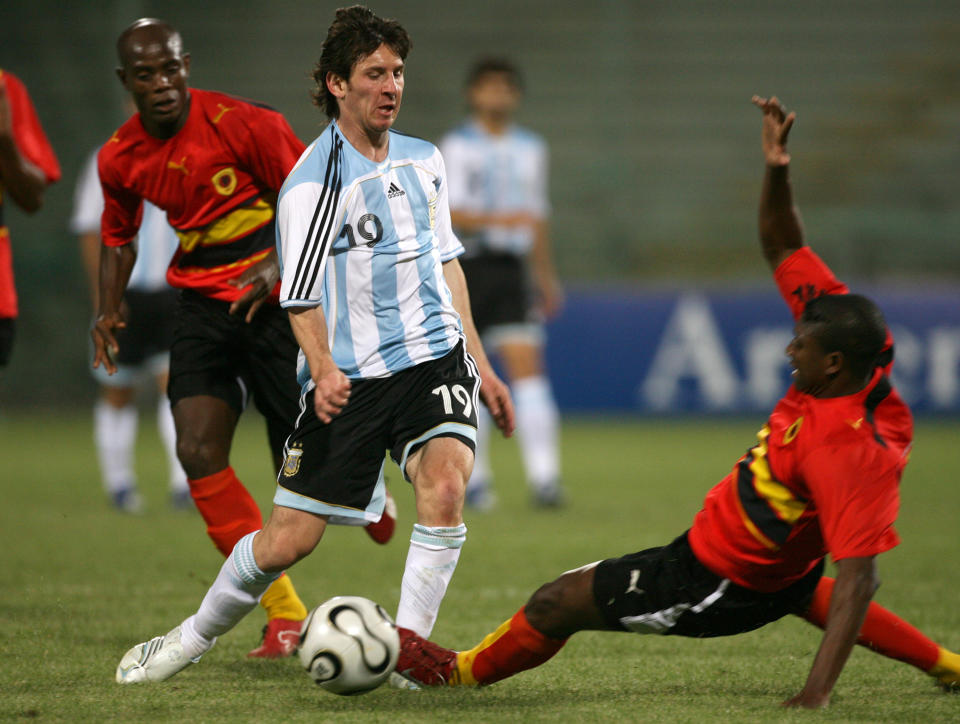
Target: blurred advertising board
684,351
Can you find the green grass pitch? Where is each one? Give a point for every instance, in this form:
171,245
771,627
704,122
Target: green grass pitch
81,584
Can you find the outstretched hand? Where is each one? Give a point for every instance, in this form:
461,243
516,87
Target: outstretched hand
261,278
776,127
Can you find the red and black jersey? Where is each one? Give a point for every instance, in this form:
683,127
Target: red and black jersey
823,477
33,145
211,178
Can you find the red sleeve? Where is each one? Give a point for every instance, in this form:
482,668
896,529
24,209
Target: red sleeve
855,488
803,276
271,149
27,132
122,210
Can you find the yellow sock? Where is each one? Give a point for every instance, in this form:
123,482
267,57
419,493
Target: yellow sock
947,668
465,659
281,601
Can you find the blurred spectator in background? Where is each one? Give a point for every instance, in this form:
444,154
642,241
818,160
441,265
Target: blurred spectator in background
497,175
144,345
27,166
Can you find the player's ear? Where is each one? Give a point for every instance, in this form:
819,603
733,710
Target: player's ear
834,363
121,74
336,85
186,64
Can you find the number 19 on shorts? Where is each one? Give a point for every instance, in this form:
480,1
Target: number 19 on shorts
455,397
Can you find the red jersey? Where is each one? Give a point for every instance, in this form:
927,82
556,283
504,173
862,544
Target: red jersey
823,478
33,145
211,178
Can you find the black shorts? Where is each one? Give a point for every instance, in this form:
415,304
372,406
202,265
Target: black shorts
500,292
8,327
219,354
336,469
149,330
668,591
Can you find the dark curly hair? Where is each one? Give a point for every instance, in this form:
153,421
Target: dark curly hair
354,34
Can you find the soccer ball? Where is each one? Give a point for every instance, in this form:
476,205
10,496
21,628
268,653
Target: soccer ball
349,645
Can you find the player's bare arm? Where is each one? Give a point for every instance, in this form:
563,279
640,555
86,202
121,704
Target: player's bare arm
21,179
116,263
493,392
332,386
856,583
781,232
261,278
544,271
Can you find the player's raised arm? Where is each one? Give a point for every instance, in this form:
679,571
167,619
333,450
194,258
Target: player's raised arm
781,232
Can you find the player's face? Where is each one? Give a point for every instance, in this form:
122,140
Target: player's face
812,366
370,99
155,72
494,94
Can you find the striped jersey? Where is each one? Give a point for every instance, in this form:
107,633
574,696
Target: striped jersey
497,174
156,240
367,241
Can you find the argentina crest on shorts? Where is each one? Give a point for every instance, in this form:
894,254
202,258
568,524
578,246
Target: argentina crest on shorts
291,465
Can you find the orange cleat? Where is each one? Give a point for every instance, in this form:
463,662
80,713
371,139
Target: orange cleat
382,530
424,662
281,636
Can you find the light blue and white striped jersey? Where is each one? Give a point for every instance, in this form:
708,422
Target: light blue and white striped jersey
497,174
156,240
367,241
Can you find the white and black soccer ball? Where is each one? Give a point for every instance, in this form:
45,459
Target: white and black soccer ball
349,645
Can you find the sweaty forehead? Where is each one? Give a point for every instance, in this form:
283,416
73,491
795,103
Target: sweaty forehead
150,42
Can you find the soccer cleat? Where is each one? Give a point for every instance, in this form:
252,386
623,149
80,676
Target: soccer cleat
549,496
382,530
127,500
155,660
479,497
424,662
281,636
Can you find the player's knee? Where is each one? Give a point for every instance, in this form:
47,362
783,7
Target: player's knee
446,481
549,611
200,456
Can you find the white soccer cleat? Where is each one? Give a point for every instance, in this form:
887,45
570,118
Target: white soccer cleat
155,660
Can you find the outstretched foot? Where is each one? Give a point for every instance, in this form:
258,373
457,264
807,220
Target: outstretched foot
424,662
281,636
155,660
947,670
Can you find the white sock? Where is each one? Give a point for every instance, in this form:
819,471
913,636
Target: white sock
115,432
537,429
232,596
431,560
482,475
168,433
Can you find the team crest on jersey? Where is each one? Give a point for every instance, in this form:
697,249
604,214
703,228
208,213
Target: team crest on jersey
291,465
225,181
792,431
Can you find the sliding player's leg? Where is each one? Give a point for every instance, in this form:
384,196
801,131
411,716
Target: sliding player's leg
889,635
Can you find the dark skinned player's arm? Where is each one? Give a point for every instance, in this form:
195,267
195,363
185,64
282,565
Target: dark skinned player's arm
856,583
116,263
781,232
21,179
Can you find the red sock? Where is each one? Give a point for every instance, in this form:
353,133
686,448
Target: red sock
882,631
226,506
514,647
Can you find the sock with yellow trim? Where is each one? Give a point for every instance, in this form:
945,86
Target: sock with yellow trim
280,600
882,631
947,668
228,509
514,647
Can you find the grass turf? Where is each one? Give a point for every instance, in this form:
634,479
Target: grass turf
82,584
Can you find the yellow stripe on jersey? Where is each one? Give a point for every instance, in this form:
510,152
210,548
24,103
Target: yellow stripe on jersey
236,224
253,259
778,496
